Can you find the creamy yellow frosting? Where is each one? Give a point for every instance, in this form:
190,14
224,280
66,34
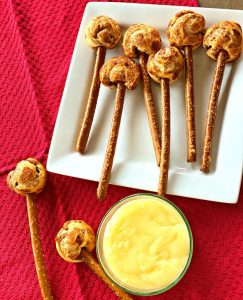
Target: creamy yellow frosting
146,244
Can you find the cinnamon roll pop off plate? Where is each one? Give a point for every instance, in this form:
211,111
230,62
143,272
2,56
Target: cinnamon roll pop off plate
28,179
75,242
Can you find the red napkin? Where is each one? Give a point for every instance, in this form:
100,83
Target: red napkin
36,44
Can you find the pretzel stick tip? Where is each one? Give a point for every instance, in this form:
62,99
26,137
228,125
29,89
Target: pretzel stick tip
96,268
165,151
111,146
190,108
150,106
212,109
92,101
37,249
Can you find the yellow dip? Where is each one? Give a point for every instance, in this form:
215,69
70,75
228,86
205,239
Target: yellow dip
146,243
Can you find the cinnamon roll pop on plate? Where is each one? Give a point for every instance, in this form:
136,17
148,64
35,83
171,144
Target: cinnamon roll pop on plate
101,33
142,40
119,72
223,42
75,242
164,67
185,31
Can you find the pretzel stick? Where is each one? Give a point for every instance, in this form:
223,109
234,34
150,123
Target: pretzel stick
111,146
212,109
165,151
190,109
37,249
92,101
150,107
96,268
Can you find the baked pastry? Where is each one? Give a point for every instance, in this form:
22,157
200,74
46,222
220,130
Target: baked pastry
223,42
166,63
141,40
74,243
120,72
120,69
186,31
164,67
101,33
72,238
225,35
186,28
29,179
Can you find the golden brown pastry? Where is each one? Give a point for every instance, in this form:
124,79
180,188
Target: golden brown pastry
186,29
120,72
166,63
223,42
103,31
74,243
142,40
120,69
28,177
164,67
225,35
74,236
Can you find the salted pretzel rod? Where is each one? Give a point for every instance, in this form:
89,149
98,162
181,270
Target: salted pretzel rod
186,31
111,146
190,108
141,40
164,67
28,179
165,151
120,72
223,42
75,242
101,33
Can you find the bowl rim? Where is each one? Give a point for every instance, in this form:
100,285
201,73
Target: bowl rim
157,291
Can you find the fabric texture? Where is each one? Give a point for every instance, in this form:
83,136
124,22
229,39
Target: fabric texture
36,44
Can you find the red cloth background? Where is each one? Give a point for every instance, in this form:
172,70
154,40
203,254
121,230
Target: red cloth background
36,43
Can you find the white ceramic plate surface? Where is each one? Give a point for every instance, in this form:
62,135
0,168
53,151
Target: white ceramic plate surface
134,163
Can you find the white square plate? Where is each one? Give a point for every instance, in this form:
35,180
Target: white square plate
134,163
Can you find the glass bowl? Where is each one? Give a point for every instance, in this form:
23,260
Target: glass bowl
100,250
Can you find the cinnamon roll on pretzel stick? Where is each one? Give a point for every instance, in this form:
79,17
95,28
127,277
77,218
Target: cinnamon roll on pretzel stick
75,242
223,42
102,32
120,72
142,40
186,31
29,179
164,67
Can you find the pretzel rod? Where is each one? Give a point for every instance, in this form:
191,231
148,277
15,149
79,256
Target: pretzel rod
165,151
111,146
92,101
37,249
212,109
190,109
96,268
150,107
